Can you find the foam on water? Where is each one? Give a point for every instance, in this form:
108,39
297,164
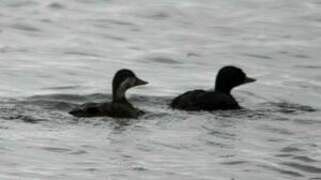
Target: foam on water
57,54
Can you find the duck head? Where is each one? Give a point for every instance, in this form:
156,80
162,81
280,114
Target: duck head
123,80
229,77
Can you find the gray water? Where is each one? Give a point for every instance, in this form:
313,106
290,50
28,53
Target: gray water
55,54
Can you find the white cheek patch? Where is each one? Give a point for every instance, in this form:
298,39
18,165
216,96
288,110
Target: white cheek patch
129,82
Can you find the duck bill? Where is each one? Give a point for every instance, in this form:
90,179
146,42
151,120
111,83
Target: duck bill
249,80
140,82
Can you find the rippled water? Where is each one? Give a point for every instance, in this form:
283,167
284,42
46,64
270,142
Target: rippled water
56,54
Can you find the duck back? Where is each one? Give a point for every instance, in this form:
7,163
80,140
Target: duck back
117,110
204,100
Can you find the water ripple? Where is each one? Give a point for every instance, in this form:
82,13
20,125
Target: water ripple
302,167
25,27
283,171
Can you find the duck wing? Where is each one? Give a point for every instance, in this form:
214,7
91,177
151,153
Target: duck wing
90,110
204,100
188,100
116,110
216,101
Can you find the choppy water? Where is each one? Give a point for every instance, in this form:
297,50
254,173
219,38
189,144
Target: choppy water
56,54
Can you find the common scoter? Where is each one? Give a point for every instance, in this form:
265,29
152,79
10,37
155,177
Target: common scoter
227,78
123,80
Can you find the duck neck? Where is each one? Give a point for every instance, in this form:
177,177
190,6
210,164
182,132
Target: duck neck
222,88
120,99
119,95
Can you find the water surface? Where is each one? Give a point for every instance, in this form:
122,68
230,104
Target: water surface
56,54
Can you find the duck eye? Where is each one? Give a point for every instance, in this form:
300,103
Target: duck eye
239,78
243,76
132,81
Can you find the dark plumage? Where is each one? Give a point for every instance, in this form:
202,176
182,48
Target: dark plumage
119,107
220,99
